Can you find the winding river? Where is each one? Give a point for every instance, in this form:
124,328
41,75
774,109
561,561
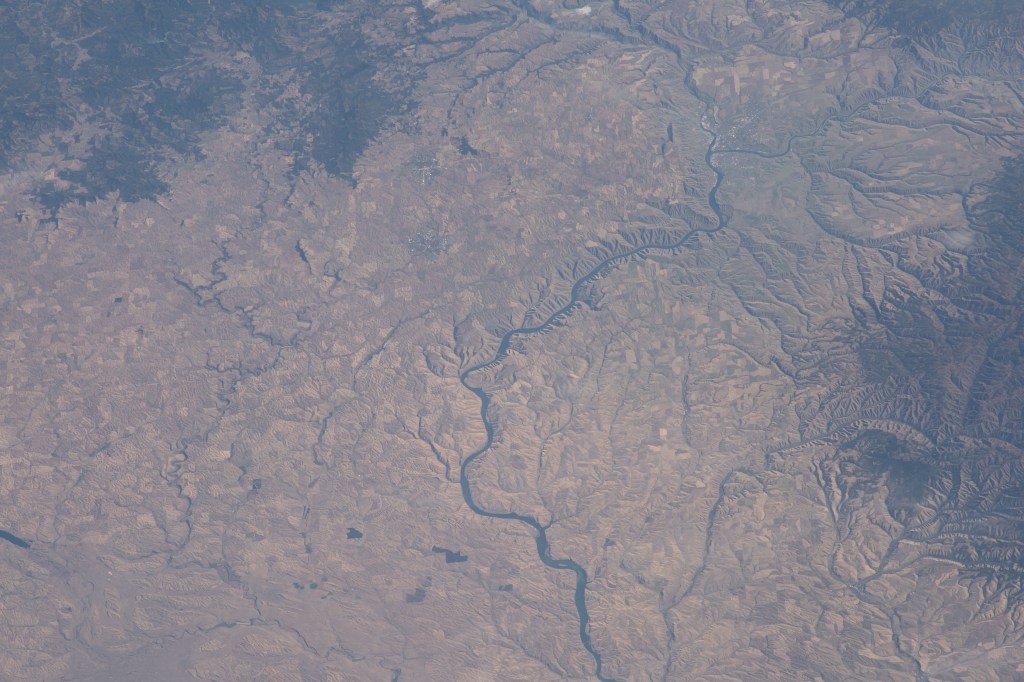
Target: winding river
575,299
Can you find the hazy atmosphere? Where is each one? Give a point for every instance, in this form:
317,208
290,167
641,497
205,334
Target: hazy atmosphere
525,340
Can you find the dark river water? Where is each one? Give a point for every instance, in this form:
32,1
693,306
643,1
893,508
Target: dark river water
577,299
14,539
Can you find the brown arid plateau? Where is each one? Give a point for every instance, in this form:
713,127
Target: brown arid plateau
484,340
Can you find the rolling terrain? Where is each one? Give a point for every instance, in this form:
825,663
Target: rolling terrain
515,340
